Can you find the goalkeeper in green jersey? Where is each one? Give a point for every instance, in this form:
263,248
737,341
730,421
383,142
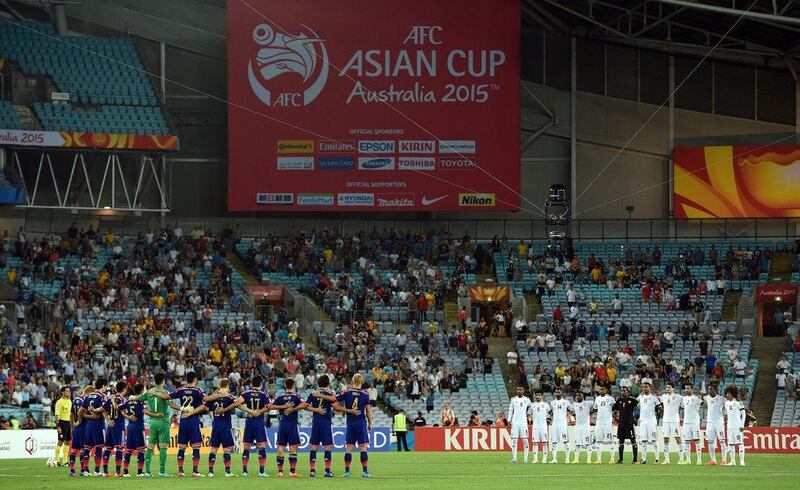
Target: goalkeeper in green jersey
158,411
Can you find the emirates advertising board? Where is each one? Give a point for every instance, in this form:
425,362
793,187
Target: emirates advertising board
373,105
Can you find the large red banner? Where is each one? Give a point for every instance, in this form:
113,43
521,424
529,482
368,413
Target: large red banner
785,440
373,105
736,181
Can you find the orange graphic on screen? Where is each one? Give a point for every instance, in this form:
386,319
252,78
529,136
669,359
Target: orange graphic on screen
737,182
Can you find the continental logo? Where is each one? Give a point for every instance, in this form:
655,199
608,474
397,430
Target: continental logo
296,146
476,200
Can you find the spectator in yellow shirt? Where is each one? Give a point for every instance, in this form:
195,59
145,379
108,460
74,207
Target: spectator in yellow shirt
111,238
11,276
522,249
215,355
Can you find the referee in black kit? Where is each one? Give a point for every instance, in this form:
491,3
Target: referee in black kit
623,408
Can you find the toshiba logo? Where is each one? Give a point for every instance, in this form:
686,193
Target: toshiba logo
476,200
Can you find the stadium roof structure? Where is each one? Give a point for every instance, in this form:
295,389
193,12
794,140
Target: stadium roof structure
765,32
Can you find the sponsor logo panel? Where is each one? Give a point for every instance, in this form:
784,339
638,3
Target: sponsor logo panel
295,146
398,200
274,199
458,163
476,200
381,163
336,163
315,199
355,199
376,146
295,163
336,146
457,146
416,163
433,200
417,146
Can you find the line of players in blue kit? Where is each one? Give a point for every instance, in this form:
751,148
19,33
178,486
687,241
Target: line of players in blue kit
105,423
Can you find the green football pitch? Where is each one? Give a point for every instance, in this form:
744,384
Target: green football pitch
438,471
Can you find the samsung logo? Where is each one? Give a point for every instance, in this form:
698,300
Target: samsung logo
336,163
367,163
376,146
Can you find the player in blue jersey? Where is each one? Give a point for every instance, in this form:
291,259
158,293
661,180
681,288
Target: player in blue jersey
191,400
133,411
93,435
288,429
322,402
220,405
78,426
116,428
359,423
255,402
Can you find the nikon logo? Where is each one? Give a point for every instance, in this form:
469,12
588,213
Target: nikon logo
476,200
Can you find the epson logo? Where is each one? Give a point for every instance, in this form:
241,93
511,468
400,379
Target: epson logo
355,199
457,163
295,163
457,146
336,163
396,200
417,147
376,146
416,163
366,163
336,146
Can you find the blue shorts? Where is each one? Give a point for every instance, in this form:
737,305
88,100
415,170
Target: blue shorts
288,435
77,436
135,439
190,434
254,432
357,434
94,434
221,436
115,436
321,434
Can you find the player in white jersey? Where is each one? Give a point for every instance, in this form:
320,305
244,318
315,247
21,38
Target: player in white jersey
603,435
558,430
583,428
715,424
670,427
691,424
734,420
540,411
518,417
648,423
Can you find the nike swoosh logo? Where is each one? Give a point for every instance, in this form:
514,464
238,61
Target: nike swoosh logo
428,202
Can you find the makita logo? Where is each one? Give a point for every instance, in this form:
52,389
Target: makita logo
417,147
396,200
480,200
336,146
416,163
458,163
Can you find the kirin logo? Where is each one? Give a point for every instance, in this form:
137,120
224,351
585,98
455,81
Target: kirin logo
280,54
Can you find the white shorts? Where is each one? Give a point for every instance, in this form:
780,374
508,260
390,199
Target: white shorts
559,433
648,431
583,435
540,434
715,432
604,434
735,436
671,429
519,431
691,432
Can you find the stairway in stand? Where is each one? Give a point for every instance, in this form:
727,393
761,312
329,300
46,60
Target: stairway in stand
768,351
28,118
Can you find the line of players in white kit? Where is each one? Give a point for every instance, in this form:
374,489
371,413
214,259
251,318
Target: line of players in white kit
725,422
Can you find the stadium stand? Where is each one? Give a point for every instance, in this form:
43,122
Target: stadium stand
786,412
8,116
104,77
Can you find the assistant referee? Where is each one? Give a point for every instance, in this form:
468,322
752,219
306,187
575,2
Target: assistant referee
623,409
63,425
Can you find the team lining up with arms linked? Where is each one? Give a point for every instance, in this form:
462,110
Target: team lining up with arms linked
723,412
99,425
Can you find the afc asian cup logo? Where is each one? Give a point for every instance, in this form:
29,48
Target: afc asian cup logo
280,54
